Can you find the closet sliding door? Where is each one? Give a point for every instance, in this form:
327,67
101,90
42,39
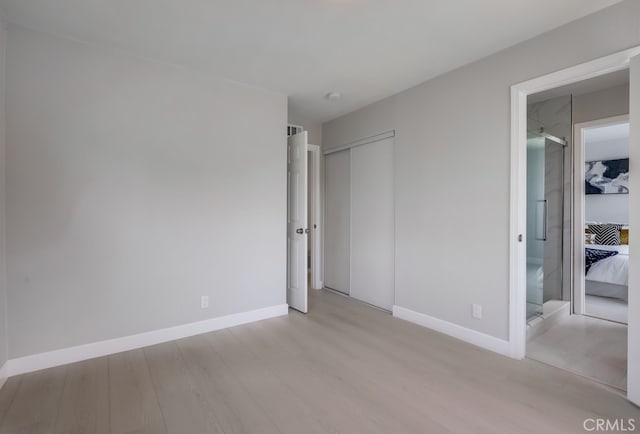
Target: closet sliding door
337,223
373,223
360,222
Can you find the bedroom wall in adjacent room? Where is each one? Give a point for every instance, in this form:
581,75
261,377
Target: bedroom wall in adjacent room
607,208
134,188
602,104
453,172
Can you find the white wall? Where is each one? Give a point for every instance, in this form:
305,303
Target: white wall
3,274
133,188
607,208
453,165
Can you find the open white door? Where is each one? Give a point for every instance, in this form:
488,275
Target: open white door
297,222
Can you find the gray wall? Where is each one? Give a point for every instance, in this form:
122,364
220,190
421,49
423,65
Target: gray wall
453,164
3,273
134,187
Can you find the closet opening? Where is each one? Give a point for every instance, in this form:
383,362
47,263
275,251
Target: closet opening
359,237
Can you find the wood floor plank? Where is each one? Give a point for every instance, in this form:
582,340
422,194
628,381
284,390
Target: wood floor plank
392,403
84,403
234,406
184,407
377,364
133,402
34,409
347,405
289,412
7,394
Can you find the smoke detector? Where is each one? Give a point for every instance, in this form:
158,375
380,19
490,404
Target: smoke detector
333,96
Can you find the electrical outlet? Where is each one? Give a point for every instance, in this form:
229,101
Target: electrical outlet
476,311
204,302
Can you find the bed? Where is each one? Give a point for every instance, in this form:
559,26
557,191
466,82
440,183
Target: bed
609,277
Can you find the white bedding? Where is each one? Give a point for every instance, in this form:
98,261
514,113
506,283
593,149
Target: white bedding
614,269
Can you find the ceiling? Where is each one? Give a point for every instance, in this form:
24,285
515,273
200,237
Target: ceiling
365,49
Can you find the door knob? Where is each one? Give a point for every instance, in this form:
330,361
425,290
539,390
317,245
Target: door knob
300,231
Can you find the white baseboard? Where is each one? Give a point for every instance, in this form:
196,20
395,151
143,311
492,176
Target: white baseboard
4,373
473,337
35,362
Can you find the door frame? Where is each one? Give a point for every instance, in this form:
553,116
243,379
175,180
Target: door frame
518,183
315,216
579,205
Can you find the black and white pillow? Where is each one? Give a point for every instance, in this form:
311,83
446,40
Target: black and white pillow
606,234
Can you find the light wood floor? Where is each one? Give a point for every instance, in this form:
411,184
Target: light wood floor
344,367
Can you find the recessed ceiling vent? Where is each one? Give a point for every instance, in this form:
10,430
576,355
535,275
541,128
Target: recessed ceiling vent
294,129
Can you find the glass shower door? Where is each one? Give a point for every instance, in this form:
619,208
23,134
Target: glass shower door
536,223
545,217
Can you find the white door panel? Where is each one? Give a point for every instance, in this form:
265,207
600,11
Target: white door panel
373,223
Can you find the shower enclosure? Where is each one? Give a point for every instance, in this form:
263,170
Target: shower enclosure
545,217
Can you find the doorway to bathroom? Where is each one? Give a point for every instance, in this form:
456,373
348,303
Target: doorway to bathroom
572,150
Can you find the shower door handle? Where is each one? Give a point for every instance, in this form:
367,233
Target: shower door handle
541,219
